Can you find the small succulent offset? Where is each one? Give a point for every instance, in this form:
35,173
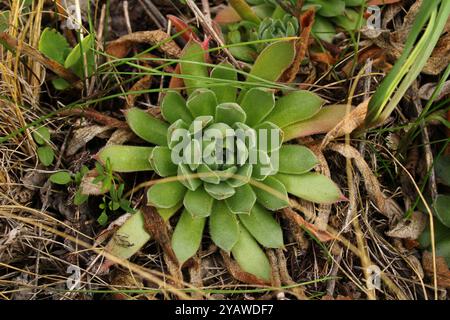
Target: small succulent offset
271,19
214,175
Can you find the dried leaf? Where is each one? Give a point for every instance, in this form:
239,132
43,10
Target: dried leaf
350,122
156,226
386,206
426,91
409,228
89,188
226,16
82,136
442,270
120,48
142,84
301,46
321,235
235,270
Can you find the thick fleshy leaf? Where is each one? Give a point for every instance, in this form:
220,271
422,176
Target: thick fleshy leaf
273,61
126,158
207,174
146,126
198,203
244,11
223,227
269,136
250,257
173,107
166,194
294,107
226,173
161,161
178,136
325,120
184,174
295,159
230,113
330,8
219,191
264,167
257,104
167,213
225,92
442,209
187,236
243,200
202,102
323,29
263,227
244,53
350,21
129,238
242,176
313,187
200,123
272,194
193,66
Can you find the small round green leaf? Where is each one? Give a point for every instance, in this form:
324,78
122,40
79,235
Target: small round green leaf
54,45
45,155
61,177
41,135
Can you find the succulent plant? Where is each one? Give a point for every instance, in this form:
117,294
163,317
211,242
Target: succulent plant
267,19
222,159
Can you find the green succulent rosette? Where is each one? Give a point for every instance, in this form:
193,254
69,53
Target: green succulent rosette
232,189
267,19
